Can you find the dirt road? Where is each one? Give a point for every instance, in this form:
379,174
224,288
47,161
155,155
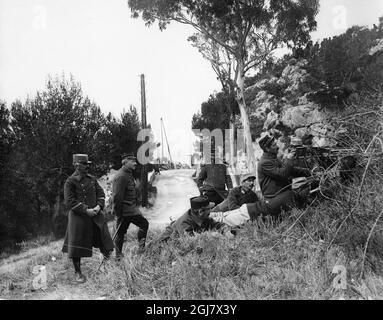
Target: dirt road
174,189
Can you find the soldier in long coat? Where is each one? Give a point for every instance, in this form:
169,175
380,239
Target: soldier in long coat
87,227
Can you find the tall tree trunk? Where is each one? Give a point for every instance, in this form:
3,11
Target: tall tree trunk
233,161
240,97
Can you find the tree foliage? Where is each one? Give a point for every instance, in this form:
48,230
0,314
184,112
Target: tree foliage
215,112
344,61
247,31
38,138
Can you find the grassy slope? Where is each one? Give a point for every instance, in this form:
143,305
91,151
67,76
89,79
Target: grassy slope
262,262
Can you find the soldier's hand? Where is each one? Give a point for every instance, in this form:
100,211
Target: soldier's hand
291,155
227,233
91,213
97,209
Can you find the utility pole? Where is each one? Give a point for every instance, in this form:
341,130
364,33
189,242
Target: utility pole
166,138
144,170
162,144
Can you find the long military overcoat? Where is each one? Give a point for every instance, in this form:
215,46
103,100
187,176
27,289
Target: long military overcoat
80,193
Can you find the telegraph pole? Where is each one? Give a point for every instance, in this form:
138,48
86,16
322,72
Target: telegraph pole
170,156
162,144
144,170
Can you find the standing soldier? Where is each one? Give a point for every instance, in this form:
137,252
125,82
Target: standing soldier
125,204
87,227
213,180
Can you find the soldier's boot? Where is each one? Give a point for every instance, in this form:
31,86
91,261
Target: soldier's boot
118,245
141,246
79,277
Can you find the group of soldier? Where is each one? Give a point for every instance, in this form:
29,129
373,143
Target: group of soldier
215,209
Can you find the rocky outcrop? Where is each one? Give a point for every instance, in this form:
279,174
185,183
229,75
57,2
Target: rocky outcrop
285,107
378,48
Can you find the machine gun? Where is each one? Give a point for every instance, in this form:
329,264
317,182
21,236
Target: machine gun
328,166
309,157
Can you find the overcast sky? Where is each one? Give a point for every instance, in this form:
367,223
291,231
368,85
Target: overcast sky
106,50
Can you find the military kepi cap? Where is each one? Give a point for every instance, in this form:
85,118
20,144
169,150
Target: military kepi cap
266,141
201,202
247,177
81,158
128,155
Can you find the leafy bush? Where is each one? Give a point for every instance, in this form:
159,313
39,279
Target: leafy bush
38,138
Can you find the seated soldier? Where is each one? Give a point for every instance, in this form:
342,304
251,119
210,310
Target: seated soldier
213,180
196,219
275,177
238,195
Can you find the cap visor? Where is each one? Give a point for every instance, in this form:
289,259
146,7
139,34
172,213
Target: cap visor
249,178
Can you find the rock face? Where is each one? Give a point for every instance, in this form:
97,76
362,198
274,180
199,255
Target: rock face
285,109
377,48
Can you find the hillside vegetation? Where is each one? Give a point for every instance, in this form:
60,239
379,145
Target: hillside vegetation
340,81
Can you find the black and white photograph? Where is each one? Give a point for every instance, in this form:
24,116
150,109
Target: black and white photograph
191,155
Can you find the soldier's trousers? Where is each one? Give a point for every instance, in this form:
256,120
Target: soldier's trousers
272,206
123,225
282,201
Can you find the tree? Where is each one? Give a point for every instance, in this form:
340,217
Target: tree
124,134
50,128
38,138
214,113
344,61
247,31
6,135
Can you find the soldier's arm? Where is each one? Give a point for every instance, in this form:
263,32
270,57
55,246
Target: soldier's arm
118,195
298,170
185,228
71,200
164,236
201,177
218,226
100,194
253,197
138,191
232,200
229,183
275,172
